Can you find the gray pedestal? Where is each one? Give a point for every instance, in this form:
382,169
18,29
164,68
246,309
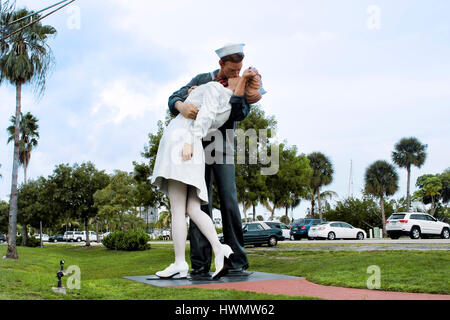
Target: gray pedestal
255,276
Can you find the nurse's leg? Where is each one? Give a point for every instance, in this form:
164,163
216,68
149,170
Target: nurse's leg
200,248
178,195
202,220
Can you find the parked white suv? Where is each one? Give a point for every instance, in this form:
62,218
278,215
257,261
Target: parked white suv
73,236
79,236
415,225
45,237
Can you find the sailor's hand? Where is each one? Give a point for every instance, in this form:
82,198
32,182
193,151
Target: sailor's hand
189,111
187,152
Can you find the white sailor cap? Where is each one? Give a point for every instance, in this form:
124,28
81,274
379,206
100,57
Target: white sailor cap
230,49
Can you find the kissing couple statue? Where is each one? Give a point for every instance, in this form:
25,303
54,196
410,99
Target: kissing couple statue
210,102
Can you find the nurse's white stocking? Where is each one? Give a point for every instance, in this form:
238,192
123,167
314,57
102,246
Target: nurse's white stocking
177,195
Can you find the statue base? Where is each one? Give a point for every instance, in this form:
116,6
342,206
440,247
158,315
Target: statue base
154,280
59,290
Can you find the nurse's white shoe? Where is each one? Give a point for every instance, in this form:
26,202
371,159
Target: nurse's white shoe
174,271
219,261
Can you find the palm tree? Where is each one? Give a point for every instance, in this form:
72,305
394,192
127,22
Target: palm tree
409,151
322,175
25,58
381,180
165,220
28,138
328,194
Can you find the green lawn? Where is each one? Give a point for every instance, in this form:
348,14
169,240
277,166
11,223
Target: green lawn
102,272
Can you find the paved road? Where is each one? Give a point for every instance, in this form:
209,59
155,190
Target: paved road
331,245
368,244
373,241
354,245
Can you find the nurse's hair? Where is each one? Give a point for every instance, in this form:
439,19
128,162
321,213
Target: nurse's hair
252,88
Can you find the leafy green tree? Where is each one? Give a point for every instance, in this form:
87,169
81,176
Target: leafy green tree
322,175
29,135
409,152
60,187
429,186
361,213
33,206
381,181
250,183
165,220
291,181
117,199
147,195
445,192
399,205
25,58
151,149
86,181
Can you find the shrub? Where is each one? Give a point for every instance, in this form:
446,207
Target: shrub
32,242
131,240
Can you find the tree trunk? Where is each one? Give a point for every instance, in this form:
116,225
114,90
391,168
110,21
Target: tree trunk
24,234
319,203
96,230
272,214
433,207
383,218
122,227
254,212
408,197
40,234
244,210
25,166
312,206
287,210
11,253
86,228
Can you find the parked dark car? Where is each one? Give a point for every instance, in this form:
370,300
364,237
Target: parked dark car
300,227
280,225
259,233
3,238
57,238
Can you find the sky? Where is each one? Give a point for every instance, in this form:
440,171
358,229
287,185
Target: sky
348,78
